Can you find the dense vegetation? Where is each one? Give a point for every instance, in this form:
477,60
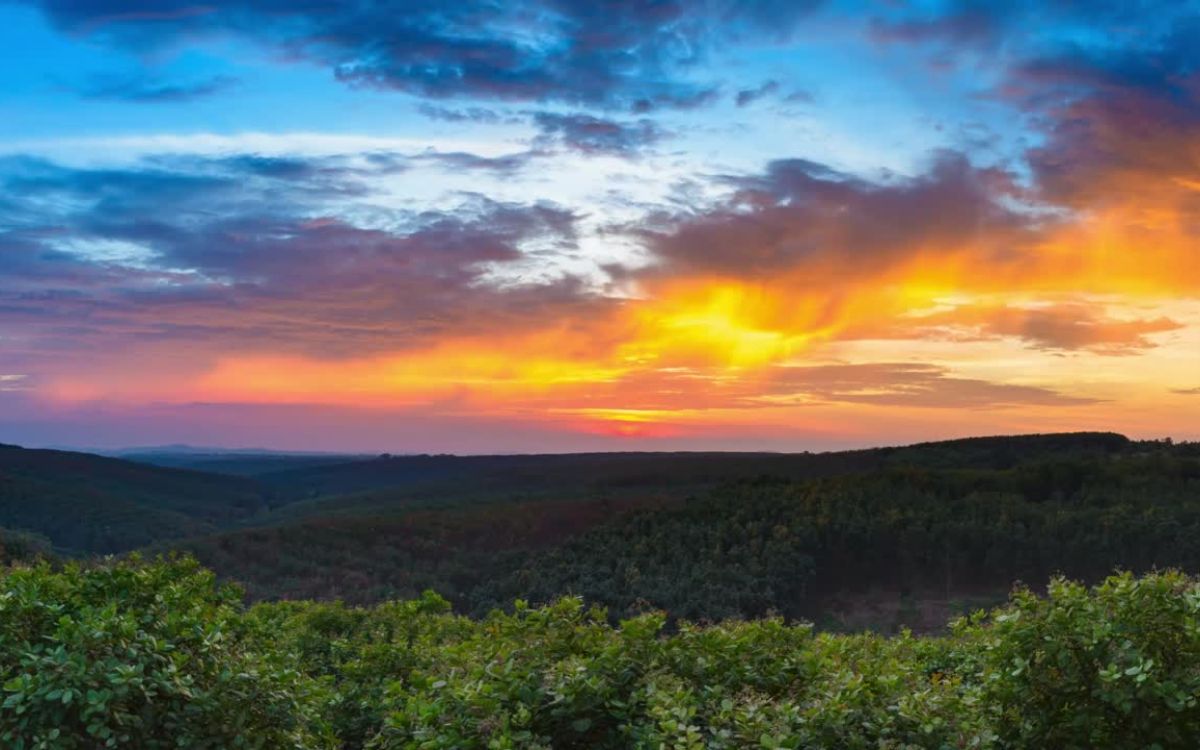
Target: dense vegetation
90,504
670,599
158,656
247,463
22,546
786,546
365,558
880,538
912,531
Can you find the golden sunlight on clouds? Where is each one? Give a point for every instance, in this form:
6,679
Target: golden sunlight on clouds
943,330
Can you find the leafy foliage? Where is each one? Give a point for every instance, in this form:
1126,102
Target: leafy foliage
1117,666
126,655
19,546
133,655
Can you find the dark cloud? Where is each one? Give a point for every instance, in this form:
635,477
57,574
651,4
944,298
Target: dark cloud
144,90
746,97
1187,391
1112,87
800,96
801,212
619,53
1062,327
1067,327
906,384
982,25
902,384
462,161
480,115
1118,140
242,252
964,23
594,135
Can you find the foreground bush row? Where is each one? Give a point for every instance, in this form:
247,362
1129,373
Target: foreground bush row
157,656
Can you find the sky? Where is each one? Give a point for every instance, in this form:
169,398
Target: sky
566,225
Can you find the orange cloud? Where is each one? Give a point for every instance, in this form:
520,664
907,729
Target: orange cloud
746,313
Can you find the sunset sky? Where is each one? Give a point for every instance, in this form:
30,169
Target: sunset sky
554,225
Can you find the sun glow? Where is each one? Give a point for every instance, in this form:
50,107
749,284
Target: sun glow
690,351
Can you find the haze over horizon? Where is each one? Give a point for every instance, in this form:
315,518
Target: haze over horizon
557,225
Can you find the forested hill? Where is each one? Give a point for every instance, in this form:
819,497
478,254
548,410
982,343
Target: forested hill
244,463
708,538
91,504
85,503
683,469
903,534
699,535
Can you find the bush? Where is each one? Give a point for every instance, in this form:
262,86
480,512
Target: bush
1117,666
147,656
157,656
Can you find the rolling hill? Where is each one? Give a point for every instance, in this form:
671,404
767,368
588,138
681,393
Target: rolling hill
894,531
701,535
91,504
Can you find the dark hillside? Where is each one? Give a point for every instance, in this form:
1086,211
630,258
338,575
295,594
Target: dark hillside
370,559
711,536
237,464
87,503
599,472
794,547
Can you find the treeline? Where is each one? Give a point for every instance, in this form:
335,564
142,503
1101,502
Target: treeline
22,546
753,547
88,504
159,656
785,547
879,538
91,504
363,558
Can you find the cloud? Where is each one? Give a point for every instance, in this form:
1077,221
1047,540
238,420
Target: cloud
234,253
799,213
965,24
1187,391
747,97
13,382
651,394
620,55
1056,327
144,90
906,384
594,135
479,115
985,26
1111,91
285,293
891,384
462,161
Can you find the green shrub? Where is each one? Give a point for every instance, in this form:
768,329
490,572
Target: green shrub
1117,666
367,655
157,656
145,656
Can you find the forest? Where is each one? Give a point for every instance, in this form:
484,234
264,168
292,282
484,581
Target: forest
1013,592
879,539
911,538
